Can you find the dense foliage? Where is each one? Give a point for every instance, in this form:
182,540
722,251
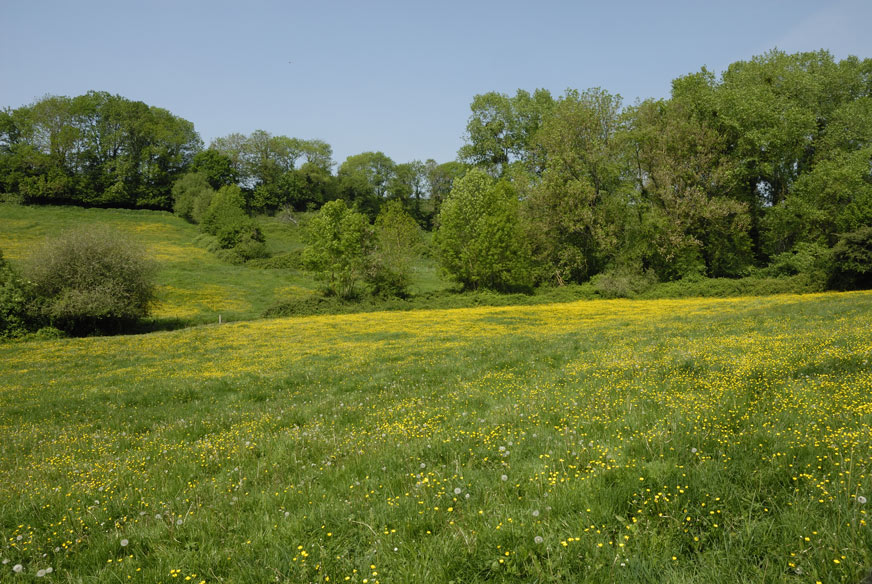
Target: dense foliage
15,301
338,242
725,176
96,149
91,279
479,240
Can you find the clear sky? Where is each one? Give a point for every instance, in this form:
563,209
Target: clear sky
391,76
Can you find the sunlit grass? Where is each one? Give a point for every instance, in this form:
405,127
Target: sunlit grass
609,441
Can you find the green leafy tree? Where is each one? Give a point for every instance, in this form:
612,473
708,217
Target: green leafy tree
364,178
576,211
192,195
338,243
834,197
501,129
397,242
440,180
217,168
480,237
690,223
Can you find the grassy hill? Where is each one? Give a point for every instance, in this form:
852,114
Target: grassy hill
614,441
194,286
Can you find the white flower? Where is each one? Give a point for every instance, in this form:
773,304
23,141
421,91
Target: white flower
693,450
423,465
17,568
40,573
538,539
178,521
124,543
457,490
504,477
861,499
535,513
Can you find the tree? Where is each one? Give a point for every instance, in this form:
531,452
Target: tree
407,185
217,168
338,242
834,197
440,180
480,239
192,195
577,210
397,242
265,165
500,130
364,178
91,279
689,221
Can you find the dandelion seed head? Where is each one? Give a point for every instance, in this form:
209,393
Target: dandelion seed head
538,539
504,477
124,543
693,450
535,513
17,568
457,490
40,573
861,499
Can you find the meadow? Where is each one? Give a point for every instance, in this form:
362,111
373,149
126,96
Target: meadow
693,440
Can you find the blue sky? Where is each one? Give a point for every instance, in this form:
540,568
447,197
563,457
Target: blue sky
391,76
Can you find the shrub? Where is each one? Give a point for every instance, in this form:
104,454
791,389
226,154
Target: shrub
623,283
852,261
227,220
91,279
16,298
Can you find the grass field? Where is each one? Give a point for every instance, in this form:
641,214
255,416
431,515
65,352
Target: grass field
608,441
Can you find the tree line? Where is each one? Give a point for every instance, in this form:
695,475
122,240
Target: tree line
764,169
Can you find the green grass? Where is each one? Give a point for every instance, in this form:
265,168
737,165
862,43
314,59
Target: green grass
703,440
